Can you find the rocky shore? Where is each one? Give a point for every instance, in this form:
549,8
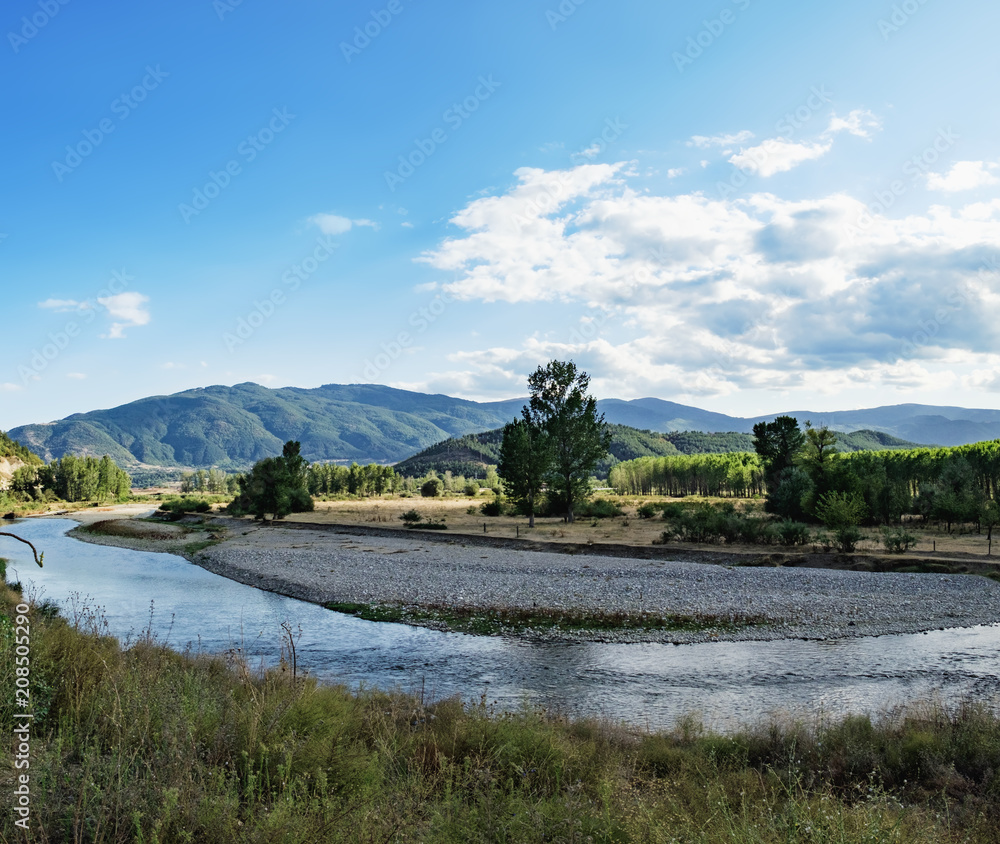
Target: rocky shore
393,569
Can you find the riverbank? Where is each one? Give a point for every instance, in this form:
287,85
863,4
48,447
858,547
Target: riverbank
493,586
139,742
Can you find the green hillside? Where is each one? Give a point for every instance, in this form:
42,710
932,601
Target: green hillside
11,449
230,428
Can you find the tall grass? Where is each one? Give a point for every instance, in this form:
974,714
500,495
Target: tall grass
143,744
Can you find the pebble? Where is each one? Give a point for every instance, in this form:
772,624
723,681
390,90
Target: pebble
781,603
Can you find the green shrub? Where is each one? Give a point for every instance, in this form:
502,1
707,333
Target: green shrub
672,509
847,538
792,533
897,540
411,517
431,488
599,508
471,490
493,508
647,510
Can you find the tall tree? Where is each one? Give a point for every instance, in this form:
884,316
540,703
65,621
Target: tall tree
525,458
816,458
579,437
275,485
777,443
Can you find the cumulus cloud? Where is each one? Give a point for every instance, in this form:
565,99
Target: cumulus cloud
77,376
334,224
859,122
964,175
781,154
127,309
709,296
7,387
776,155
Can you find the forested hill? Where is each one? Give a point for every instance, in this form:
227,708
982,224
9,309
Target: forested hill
471,454
13,456
12,451
232,427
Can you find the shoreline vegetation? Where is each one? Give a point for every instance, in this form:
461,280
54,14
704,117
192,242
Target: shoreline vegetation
136,742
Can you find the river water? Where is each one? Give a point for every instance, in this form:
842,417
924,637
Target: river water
646,685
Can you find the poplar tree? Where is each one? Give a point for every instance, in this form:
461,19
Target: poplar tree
579,438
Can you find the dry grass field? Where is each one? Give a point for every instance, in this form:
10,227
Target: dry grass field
933,542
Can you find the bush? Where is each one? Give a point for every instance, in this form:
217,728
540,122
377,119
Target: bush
841,509
431,488
672,509
411,517
847,538
186,504
600,508
471,490
647,511
718,523
492,508
792,533
897,540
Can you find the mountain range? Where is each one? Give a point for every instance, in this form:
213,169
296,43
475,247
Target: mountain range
232,427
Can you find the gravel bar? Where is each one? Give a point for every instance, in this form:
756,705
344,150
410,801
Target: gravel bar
345,565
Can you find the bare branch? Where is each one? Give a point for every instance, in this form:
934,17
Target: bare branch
38,557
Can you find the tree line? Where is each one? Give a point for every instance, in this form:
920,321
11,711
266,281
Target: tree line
72,479
803,474
736,474
331,479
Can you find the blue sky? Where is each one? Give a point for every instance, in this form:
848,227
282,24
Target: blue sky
746,206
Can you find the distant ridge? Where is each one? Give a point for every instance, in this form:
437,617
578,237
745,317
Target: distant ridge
231,427
472,453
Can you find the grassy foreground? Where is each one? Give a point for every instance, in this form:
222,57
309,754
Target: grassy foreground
143,744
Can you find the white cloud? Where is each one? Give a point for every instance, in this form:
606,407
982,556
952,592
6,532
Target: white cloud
7,387
590,152
859,122
76,376
674,172
63,305
706,141
128,309
406,225
964,175
776,155
334,224
331,223
711,296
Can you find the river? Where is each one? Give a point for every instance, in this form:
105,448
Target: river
644,685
